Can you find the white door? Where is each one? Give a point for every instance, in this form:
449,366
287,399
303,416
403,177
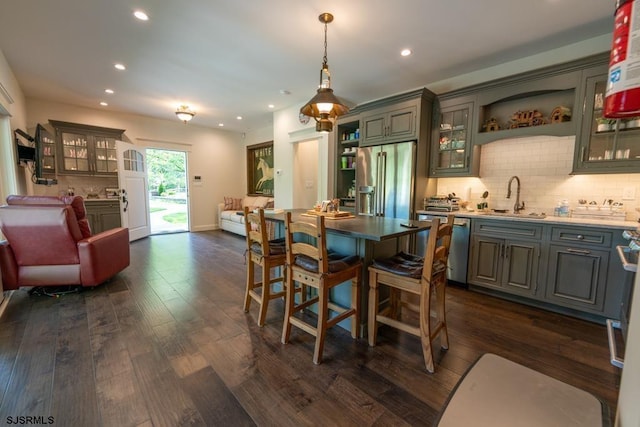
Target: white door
133,183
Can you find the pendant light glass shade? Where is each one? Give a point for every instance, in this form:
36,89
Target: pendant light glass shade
324,107
185,113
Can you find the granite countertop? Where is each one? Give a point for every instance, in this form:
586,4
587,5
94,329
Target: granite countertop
587,222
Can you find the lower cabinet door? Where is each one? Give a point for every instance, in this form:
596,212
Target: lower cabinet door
577,277
520,271
486,261
103,215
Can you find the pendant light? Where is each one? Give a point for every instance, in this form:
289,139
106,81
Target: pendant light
325,106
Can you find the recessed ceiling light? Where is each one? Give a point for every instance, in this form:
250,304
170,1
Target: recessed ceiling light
221,124
120,67
406,52
239,117
104,104
271,106
109,91
141,15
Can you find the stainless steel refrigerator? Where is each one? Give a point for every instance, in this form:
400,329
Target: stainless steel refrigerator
385,180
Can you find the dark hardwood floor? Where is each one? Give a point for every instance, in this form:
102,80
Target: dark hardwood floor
166,343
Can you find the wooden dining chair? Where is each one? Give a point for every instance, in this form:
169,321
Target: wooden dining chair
310,263
421,276
268,254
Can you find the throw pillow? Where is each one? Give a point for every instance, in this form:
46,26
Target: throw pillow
237,205
228,203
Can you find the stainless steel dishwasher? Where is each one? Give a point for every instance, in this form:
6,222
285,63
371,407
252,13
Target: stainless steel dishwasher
459,251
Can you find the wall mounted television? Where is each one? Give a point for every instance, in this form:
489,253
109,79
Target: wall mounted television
26,151
29,153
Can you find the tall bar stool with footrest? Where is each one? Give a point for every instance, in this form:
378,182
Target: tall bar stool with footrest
268,254
310,263
407,273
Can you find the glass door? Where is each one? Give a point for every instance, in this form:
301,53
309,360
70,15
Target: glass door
75,155
610,145
106,160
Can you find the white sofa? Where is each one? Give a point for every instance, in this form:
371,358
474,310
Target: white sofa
230,220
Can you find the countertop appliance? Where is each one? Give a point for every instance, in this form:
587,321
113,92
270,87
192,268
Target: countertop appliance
384,180
442,203
459,250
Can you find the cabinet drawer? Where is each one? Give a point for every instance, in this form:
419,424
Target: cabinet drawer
507,229
583,236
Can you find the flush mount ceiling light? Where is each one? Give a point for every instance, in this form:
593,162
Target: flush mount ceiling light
325,106
185,113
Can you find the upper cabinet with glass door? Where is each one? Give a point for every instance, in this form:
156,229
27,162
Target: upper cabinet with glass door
453,153
86,150
605,145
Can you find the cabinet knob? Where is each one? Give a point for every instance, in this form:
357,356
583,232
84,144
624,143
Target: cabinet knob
580,237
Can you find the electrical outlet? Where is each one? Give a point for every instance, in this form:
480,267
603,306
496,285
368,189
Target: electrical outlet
629,193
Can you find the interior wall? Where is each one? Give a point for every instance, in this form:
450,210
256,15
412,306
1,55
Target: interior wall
287,132
216,156
13,116
305,166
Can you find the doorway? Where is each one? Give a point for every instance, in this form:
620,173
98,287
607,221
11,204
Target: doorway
168,195
305,168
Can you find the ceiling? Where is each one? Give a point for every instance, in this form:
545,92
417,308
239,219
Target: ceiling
234,58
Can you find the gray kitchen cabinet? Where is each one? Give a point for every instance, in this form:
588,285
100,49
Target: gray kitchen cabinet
85,149
565,268
578,274
577,277
529,105
604,145
452,148
508,263
390,124
103,214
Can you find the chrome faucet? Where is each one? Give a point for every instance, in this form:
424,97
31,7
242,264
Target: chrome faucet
517,207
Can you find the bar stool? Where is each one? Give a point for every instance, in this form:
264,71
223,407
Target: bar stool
311,264
267,254
419,276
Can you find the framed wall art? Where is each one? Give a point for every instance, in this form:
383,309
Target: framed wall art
260,169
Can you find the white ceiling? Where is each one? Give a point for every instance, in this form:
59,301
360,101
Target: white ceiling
227,58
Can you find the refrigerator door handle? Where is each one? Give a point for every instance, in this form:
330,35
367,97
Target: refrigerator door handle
378,191
383,192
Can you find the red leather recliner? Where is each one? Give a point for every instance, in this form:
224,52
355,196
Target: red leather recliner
49,243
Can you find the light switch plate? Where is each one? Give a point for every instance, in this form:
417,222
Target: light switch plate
629,193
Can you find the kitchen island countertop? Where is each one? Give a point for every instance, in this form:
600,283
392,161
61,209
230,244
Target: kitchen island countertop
362,227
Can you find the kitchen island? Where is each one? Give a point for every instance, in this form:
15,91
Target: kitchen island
366,236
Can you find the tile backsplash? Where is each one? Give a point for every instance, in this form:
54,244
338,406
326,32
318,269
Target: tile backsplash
81,185
543,165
